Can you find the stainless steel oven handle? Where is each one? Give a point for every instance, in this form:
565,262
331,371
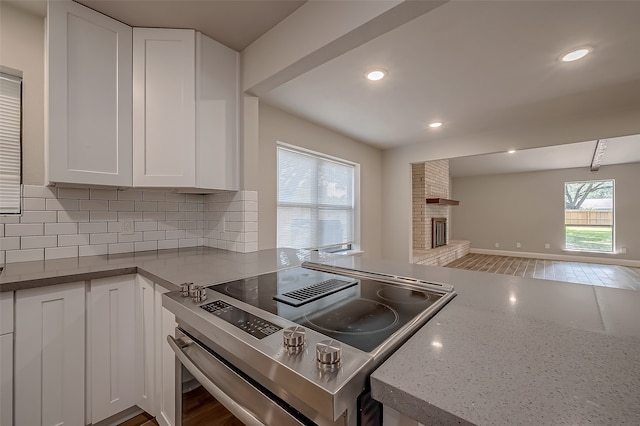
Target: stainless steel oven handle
244,415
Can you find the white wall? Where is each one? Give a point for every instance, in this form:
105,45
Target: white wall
279,126
396,163
22,48
529,208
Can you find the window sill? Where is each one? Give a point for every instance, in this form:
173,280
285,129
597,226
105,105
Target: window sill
591,252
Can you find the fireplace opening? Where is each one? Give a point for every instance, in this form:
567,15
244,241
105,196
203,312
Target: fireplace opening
438,232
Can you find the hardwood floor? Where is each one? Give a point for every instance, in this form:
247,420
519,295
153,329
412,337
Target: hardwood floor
575,272
201,408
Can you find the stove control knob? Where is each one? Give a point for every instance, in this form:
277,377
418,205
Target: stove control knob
328,352
199,293
294,337
184,289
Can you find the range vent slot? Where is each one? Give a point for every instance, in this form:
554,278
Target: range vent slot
313,292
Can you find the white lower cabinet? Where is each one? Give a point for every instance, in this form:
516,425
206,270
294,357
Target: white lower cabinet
6,379
6,358
156,379
49,367
87,351
165,362
111,350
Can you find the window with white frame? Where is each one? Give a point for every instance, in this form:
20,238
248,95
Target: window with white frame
316,200
10,142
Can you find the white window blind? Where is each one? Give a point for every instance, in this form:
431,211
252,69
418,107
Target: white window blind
10,157
315,200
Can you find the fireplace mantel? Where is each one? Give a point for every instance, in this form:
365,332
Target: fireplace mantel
443,201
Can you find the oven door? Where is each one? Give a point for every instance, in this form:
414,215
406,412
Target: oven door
244,400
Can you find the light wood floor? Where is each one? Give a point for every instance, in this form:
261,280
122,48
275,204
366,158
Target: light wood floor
201,408
575,272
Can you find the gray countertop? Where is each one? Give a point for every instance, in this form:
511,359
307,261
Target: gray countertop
509,350
505,350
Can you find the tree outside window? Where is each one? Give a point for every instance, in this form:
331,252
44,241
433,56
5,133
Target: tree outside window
589,213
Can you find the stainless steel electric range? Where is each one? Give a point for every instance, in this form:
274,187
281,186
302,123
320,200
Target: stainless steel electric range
297,346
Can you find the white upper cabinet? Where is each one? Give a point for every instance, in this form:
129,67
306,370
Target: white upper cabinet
185,115
89,105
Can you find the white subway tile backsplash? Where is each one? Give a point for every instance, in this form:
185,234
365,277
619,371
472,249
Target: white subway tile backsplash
167,244
176,235
33,204
92,228
173,196
23,229
92,250
153,196
94,205
71,216
168,206
10,243
146,206
146,226
62,204
130,195
38,242
104,194
10,218
153,216
153,235
121,248
130,238
187,242
69,222
103,216
24,255
105,238
38,217
36,191
176,216
73,240
60,252
146,245
122,206
75,193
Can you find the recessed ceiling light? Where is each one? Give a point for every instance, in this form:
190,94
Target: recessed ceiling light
435,124
512,151
376,75
574,55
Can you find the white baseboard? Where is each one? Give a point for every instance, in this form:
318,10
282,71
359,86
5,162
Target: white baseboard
566,257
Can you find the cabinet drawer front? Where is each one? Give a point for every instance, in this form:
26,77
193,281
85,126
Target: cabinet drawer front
6,312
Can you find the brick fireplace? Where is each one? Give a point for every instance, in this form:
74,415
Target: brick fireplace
431,221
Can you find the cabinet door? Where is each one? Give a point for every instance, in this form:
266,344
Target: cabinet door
6,379
6,312
145,344
164,107
217,94
112,346
165,363
50,355
89,86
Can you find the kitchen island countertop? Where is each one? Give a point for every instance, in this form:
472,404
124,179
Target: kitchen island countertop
511,351
505,350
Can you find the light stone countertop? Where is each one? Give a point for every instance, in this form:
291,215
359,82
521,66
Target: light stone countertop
505,350
511,351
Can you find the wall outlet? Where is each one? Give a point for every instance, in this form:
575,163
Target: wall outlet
518,245
497,245
623,250
547,245
126,226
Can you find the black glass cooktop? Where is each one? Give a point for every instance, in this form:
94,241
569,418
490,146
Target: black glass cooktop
361,313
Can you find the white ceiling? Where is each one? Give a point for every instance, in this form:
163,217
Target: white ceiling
234,23
478,66
620,150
